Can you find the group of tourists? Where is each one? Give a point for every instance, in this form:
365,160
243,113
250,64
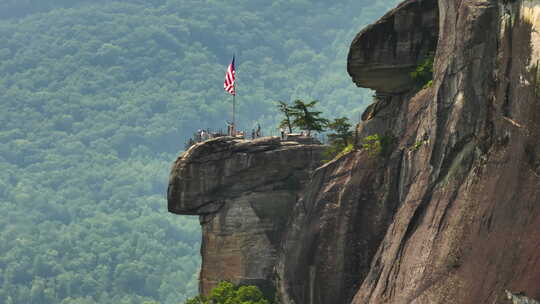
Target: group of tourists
231,131
205,134
202,135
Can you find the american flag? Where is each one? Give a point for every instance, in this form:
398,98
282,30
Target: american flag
229,79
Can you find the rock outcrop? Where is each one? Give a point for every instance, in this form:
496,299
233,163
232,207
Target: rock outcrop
383,55
452,213
341,220
467,225
243,192
447,209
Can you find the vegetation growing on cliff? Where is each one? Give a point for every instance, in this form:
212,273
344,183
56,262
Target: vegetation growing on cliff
378,145
302,115
341,140
306,118
416,146
342,133
286,110
423,74
228,293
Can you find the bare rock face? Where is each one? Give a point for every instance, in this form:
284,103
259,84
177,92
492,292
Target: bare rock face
451,213
467,226
340,221
342,217
383,55
243,192
448,211
336,230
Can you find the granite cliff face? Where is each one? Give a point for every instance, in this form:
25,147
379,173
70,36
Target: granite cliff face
243,192
467,225
383,55
350,203
450,211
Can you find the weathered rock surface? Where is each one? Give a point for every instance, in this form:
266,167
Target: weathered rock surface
468,222
341,219
339,223
450,212
383,55
519,299
243,192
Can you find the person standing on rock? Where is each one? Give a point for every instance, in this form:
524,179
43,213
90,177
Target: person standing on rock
203,134
229,128
282,131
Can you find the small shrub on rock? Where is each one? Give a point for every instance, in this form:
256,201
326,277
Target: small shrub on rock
377,145
340,141
228,293
423,74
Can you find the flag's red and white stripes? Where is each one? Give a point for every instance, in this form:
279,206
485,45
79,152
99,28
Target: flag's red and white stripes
229,79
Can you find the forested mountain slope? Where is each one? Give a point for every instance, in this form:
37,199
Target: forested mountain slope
96,98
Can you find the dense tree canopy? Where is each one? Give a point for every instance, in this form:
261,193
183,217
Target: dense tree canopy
97,99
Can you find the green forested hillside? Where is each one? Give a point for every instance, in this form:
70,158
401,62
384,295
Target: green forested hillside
97,99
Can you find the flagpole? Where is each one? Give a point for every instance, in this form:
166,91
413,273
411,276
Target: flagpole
234,110
234,96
